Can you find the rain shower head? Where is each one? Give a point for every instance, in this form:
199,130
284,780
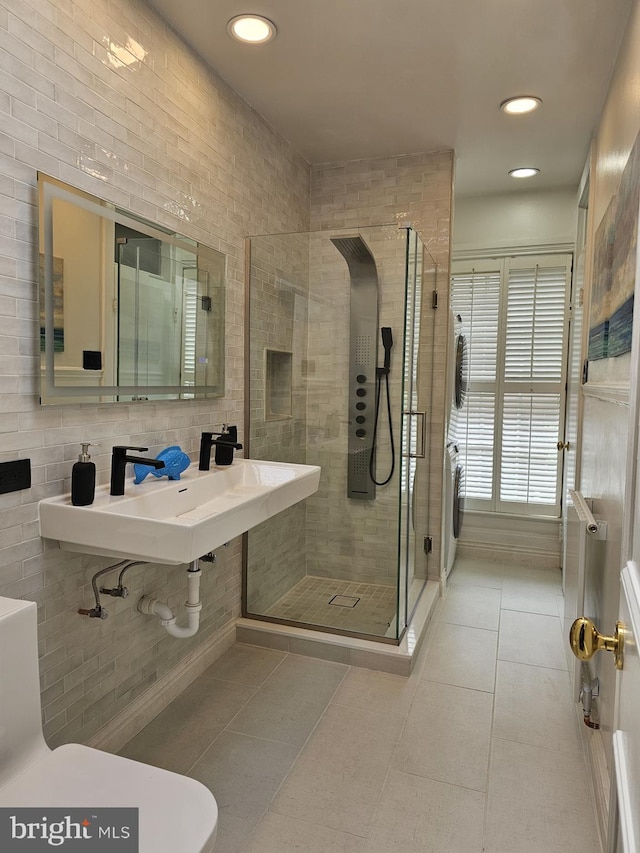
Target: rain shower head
353,249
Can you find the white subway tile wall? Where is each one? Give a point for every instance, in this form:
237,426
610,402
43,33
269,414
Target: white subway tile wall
103,95
165,138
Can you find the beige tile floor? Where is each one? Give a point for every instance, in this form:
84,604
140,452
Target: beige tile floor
477,751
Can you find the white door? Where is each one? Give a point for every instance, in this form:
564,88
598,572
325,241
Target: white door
624,813
624,808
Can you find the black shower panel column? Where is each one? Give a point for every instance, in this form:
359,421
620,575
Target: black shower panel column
363,353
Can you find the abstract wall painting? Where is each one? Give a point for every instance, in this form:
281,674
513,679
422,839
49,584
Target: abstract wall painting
611,315
601,288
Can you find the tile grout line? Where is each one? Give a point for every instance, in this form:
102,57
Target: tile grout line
298,754
331,702
424,651
535,746
483,838
244,704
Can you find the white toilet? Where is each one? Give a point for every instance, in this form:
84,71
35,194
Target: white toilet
175,813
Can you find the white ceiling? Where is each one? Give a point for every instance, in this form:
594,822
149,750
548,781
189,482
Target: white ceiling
348,79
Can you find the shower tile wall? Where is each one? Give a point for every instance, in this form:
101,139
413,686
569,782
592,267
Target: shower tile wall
279,322
167,139
300,302
351,539
414,189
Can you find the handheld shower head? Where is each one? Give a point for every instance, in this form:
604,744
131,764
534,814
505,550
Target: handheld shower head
387,343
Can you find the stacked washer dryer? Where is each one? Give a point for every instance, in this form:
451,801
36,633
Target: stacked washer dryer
453,470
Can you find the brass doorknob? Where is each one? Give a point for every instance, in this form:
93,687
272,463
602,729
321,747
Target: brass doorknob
586,640
563,445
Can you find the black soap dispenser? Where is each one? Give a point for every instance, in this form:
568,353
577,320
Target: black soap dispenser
226,444
83,479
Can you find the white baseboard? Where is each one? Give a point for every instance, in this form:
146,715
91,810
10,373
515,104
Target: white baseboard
127,724
595,754
496,553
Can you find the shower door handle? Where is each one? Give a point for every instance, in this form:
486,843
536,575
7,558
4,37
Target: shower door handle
422,435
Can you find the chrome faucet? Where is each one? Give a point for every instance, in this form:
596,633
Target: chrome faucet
225,444
119,459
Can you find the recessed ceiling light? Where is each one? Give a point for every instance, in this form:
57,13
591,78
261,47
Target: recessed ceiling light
253,29
520,105
524,172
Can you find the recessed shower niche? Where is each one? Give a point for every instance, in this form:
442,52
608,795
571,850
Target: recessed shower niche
278,384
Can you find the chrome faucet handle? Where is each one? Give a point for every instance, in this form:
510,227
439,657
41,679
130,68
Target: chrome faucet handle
229,432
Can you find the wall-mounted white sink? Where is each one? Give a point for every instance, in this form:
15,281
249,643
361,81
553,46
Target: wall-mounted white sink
178,521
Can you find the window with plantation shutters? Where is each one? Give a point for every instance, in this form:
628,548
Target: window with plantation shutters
475,296
529,458
534,347
477,436
514,314
189,324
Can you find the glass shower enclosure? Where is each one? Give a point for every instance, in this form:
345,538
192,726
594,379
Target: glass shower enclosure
339,345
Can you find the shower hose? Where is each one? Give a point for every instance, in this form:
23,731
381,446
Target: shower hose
372,457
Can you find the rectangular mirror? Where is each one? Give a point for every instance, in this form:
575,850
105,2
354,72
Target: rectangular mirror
128,311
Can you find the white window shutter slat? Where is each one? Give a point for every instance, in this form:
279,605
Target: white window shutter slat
516,380
190,320
529,454
476,445
534,347
475,296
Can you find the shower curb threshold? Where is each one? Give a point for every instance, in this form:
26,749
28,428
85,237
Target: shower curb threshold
354,651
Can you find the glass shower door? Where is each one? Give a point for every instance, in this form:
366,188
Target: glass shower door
414,484
325,390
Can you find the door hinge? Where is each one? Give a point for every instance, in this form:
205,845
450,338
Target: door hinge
434,299
585,371
428,544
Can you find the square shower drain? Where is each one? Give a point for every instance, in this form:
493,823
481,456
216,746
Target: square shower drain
344,600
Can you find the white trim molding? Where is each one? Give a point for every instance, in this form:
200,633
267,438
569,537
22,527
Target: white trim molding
595,753
506,251
533,541
618,395
625,805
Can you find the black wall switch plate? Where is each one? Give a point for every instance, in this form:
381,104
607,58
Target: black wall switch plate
15,476
91,359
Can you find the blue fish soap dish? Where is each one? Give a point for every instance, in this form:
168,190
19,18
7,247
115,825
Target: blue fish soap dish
175,462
